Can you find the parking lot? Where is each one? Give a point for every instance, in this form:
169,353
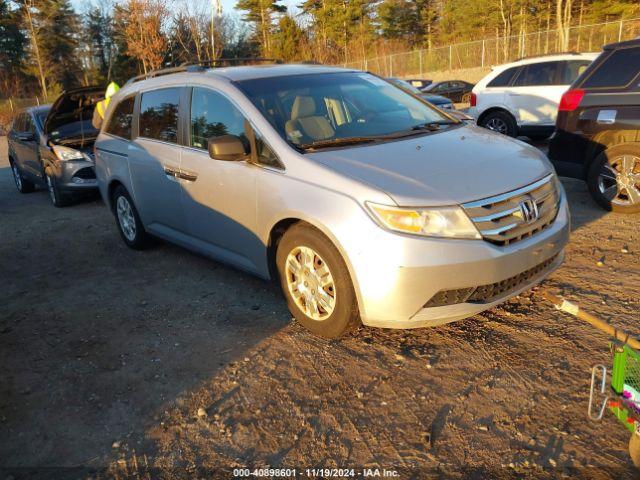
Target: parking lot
126,361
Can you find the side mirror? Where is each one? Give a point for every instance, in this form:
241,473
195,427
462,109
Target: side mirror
229,148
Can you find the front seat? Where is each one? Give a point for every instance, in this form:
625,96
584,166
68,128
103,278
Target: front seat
306,125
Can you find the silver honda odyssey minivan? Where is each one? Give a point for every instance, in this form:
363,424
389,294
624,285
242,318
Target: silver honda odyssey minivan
366,203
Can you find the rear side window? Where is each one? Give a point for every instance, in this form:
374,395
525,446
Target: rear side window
159,114
28,124
18,123
120,121
617,71
503,79
538,74
573,69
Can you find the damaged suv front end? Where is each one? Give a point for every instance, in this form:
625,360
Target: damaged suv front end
67,158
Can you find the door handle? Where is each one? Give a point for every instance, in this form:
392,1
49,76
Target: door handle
175,175
172,174
188,176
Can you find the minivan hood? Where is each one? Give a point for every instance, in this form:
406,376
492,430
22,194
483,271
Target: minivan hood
73,109
458,165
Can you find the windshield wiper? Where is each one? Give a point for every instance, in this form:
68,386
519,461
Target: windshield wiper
419,129
337,142
434,125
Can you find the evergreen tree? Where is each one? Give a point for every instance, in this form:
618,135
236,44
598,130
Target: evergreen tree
58,41
288,40
98,40
261,14
339,25
12,49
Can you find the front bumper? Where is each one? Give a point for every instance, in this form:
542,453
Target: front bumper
395,287
76,176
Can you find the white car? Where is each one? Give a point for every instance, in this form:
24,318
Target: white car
521,98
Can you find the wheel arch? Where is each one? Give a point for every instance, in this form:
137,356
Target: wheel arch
280,227
606,140
490,110
113,184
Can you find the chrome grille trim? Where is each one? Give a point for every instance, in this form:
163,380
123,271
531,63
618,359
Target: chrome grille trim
499,219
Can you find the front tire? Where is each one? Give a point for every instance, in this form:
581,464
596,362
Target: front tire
129,224
501,122
614,178
23,185
58,199
316,282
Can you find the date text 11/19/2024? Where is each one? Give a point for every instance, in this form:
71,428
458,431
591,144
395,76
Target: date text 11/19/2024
315,473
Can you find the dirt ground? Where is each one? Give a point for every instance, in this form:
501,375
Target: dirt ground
161,364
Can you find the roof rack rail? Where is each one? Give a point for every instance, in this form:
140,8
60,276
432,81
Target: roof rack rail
225,62
548,55
202,66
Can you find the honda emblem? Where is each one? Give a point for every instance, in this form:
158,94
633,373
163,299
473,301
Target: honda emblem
529,210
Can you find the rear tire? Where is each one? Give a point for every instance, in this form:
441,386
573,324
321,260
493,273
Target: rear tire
501,122
316,282
634,449
23,185
466,98
614,178
129,224
58,199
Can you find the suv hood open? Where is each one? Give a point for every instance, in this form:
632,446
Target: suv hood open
70,115
457,165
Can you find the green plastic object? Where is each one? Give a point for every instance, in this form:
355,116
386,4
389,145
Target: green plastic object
625,377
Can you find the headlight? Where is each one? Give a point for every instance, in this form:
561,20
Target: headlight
446,222
66,153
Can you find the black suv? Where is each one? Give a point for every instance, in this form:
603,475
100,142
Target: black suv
597,135
52,146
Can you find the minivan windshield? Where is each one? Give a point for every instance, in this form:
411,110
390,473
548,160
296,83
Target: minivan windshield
337,109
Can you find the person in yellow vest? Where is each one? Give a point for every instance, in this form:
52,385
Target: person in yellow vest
101,107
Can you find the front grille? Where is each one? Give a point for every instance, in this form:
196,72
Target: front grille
86,173
488,293
501,220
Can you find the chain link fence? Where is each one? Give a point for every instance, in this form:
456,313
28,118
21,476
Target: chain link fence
495,51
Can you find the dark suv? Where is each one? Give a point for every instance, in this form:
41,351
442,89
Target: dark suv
52,146
597,135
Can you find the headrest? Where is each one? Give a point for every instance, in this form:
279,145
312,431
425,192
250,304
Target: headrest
303,107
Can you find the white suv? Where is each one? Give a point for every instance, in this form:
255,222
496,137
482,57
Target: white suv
521,98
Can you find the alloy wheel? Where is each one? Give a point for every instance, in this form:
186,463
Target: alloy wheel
310,283
619,180
126,218
497,125
16,176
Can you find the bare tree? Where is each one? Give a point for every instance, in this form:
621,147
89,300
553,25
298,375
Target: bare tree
563,20
506,14
143,32
35,31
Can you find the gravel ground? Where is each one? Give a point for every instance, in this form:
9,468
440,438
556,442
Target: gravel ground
126,362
